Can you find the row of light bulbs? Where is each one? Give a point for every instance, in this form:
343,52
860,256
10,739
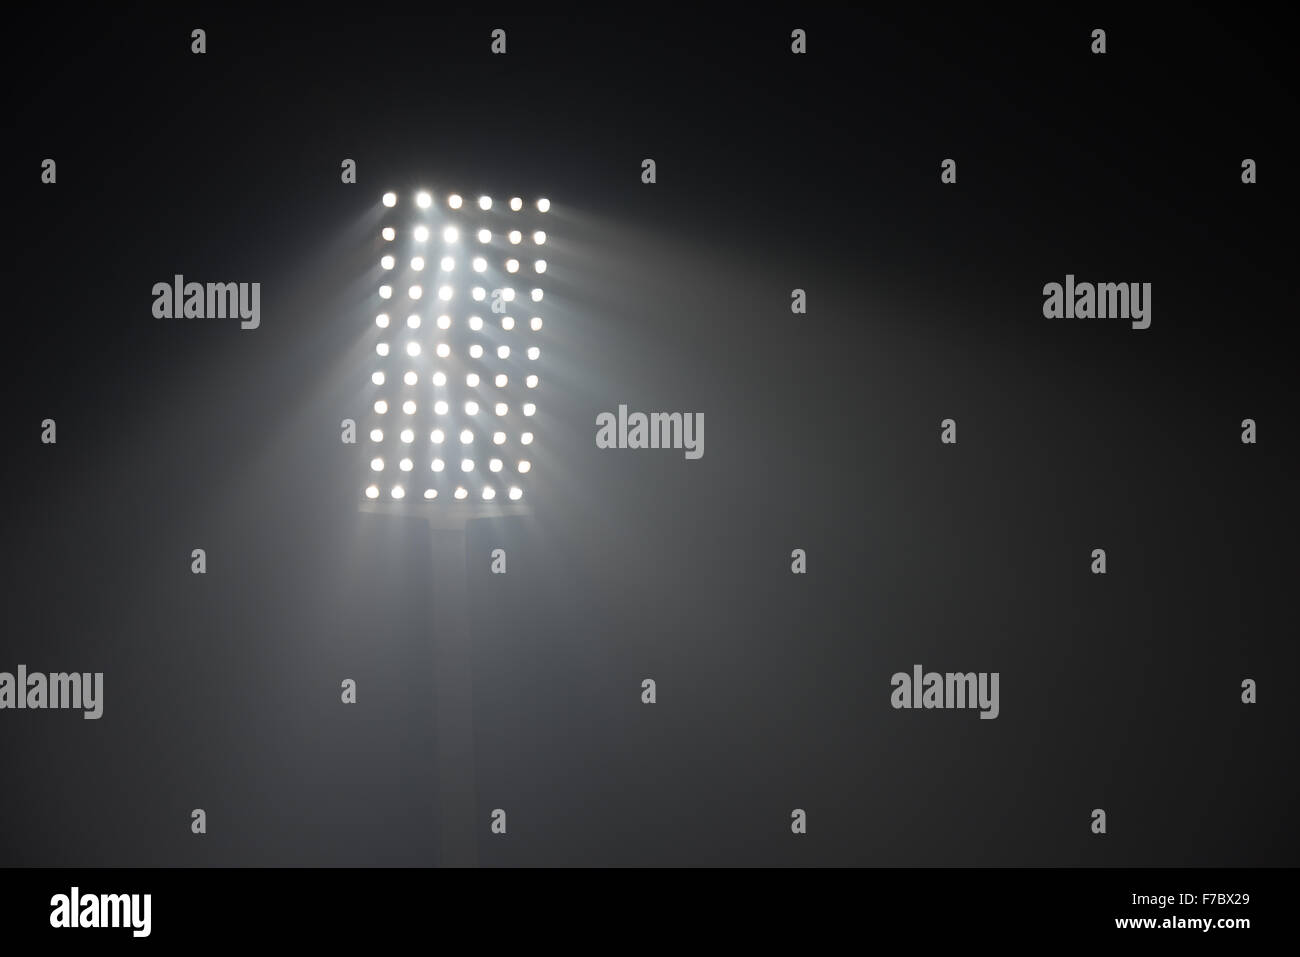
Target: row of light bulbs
445,292
466,465
489,493
450,234
448,264
444,322
424,199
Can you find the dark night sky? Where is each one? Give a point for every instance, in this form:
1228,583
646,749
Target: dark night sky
822,433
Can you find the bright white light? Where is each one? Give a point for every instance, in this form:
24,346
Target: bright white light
450,234
507,323
512,265
437,436
372,491
479,264
508,294
412,349
376,435
413,320
534,353
516,493
406,465
385,292
524,466
407,436
495,465
377,378
537,295
499,438
417,263
503,352
454,201
443,350
377,464
467,465
381,406
430,493
381,320
444,293
389,233
539,237
501,408
466,437
444,321
408,407
471,380
415,292
543,205
460,492
398,492
410,378
515,237
516,203
478,293
485,203
485,235
390,199
471,407
531,382
440,379
501,381
536,323
381,348
421,233
540,265
423,200
440,407
476,351
476,323
526,439
529,408
489,493
448,264
439,465
387,262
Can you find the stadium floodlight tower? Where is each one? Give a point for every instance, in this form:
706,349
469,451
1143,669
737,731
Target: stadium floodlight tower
456,330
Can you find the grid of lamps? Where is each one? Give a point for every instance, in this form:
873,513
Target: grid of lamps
457,330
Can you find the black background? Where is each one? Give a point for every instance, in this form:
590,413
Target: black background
822,432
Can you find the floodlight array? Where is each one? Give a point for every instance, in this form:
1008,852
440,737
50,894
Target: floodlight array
457,345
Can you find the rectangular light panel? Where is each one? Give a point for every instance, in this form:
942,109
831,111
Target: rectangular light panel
456,334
